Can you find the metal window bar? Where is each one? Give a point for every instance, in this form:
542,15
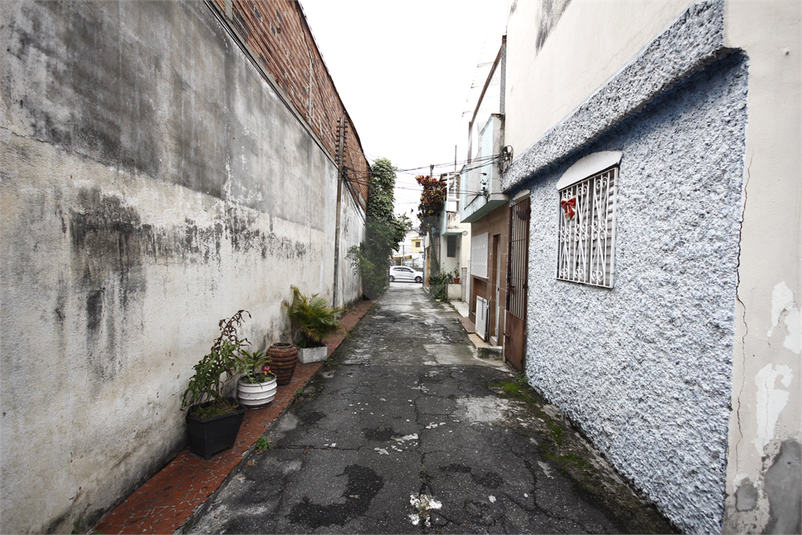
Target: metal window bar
585,251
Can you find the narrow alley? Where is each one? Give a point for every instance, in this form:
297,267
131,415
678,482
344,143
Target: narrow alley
405,430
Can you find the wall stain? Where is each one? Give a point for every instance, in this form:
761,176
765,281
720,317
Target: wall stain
552,11
111,246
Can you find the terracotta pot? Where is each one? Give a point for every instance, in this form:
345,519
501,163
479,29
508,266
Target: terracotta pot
283,358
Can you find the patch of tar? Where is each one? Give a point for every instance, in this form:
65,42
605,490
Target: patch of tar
363,485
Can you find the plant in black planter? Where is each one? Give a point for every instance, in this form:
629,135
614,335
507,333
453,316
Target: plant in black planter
213,420
312,320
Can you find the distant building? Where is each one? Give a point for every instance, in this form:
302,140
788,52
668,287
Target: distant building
410,251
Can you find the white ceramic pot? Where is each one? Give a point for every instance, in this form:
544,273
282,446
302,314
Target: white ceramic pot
254,395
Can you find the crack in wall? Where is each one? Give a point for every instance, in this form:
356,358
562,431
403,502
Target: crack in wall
743,308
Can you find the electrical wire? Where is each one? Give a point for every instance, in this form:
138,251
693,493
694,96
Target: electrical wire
361,177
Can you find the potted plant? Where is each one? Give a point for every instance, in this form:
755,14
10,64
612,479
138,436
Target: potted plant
257,386
213,420
312,320
455,276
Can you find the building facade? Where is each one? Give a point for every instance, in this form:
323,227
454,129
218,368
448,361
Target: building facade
663,277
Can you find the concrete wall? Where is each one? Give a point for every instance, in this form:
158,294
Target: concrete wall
275,35
703,378
763,470
550,40
152,182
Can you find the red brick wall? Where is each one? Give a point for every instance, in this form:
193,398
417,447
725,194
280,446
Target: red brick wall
277,36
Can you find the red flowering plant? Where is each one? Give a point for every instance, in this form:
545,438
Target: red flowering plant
432,201
253,367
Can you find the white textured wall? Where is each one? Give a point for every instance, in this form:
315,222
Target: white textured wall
575,72
151,183
644,368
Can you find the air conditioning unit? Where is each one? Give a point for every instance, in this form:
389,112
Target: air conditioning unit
482,317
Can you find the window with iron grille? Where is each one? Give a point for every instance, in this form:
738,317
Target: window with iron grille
587,230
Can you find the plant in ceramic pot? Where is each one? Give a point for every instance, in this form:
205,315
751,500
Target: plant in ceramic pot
257,386
213,420
312,320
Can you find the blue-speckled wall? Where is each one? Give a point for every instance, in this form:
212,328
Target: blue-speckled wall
645,368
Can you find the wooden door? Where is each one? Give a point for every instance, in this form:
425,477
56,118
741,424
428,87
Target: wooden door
517,285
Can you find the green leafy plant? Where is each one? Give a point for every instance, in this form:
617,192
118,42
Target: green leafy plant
215,369
263,444
383,231
312,318
253,366
438,282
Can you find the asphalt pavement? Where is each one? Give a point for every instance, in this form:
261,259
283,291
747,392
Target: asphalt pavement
405,430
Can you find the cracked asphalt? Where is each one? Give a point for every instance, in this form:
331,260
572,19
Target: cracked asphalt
405,430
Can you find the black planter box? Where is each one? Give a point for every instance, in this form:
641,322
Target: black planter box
208,436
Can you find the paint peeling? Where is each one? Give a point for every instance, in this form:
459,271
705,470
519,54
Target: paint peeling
784,307
770,401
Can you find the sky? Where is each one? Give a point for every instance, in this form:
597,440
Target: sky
404,70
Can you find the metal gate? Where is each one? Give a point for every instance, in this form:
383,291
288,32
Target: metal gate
517,285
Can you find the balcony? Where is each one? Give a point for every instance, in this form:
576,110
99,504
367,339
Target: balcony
481,193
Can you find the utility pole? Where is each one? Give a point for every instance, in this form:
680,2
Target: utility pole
340,178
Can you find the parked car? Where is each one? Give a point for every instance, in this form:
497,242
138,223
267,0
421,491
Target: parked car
404,273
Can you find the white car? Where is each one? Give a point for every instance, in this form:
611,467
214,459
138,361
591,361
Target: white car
404,273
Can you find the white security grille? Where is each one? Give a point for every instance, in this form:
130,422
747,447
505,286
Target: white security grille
587,230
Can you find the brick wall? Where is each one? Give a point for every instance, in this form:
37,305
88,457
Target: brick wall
276,35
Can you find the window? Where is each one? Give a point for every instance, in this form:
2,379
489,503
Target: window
479,255
587,228
451,246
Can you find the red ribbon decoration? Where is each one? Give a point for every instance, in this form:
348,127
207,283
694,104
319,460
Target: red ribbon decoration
568,206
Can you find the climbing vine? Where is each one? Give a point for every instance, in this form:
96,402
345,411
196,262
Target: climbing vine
383,231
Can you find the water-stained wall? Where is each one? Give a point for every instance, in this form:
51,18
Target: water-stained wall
152,182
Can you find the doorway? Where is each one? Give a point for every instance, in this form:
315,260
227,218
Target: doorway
517,285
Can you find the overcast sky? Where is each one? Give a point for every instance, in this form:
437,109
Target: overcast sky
404,69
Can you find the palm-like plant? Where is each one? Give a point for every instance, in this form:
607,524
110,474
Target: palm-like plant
312,318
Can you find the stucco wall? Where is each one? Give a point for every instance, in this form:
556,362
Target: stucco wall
645,368
352,232
568,85
576,46
764,491
151,183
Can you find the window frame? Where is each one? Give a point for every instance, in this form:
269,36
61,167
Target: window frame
586,231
